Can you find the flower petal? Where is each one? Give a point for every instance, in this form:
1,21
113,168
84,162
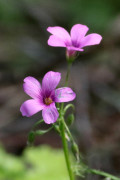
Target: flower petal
50,114
55,41
64,94
74,49
32,87
50,82
78,31
31,107
60,33
91,39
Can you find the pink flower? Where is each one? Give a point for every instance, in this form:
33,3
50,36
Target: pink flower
75,41
45,96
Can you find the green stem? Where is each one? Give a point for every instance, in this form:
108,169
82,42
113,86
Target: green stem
66,151
64,142
68,131
68,72
37,123
101,173
69,106
76,149
66,81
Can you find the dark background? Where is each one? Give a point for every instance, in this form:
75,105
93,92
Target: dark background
95,75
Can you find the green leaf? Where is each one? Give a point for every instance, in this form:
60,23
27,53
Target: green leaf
41,132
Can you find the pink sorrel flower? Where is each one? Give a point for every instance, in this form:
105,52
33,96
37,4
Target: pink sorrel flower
75,41
45,96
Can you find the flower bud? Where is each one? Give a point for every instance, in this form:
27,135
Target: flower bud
70,119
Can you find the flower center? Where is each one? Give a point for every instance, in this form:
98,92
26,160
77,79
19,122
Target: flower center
75,44
48,101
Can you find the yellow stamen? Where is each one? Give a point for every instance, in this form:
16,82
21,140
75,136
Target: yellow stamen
48,101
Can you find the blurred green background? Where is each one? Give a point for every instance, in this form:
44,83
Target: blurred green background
95,77
35,163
